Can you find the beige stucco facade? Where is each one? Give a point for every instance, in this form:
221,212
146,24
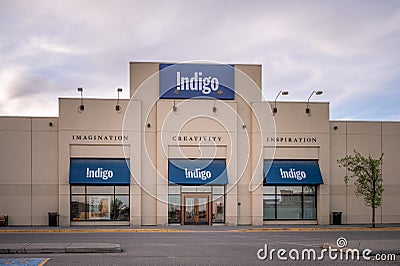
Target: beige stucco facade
36,153
369,138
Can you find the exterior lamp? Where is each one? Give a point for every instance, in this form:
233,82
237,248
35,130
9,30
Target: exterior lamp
174,108
118,107
81,107
308,111
214,109
275,109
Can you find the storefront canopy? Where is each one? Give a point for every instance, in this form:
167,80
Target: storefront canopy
197,172
99,171
292,172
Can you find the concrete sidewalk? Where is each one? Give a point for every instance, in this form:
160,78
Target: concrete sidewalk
196,228
38,248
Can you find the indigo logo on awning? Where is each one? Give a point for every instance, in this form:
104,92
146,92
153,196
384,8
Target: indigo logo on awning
288,172
293,173
198,173
184,81
99,173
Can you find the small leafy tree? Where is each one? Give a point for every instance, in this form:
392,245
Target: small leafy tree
368,179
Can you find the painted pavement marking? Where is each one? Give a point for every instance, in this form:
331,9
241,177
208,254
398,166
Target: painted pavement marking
24,261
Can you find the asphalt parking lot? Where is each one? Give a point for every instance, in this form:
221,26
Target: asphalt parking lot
201,246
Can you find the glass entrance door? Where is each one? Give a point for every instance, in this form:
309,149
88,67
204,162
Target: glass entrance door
196,209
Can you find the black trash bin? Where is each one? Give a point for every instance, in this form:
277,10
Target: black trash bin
337,218
53,218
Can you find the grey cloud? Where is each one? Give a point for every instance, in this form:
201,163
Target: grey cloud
343,47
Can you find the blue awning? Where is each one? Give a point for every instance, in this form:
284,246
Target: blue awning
99,171
292,172
197,172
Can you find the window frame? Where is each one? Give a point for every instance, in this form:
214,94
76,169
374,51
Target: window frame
114,195
302,196
213,191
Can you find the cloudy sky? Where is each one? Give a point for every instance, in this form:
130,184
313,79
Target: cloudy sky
348,49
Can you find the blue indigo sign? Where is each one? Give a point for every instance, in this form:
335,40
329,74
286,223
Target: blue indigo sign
184,81
292,172
197,172
99,171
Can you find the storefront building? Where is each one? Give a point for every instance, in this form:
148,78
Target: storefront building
195,144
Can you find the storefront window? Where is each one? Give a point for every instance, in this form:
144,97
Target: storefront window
174,209
218,209
219,190
99,203
310,207
99,207
269,205
289,203
78,207
100,189
120,210
289,207
176,193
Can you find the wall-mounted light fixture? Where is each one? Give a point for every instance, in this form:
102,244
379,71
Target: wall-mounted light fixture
214,109
308,110
81,107
118,107
174,108
275,109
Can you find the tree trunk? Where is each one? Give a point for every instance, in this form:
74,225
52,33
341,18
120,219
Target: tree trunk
373,217
373,202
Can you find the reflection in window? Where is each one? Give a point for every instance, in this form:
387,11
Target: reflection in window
218,209
174,190
310,207
309,190
174,208
269,203
99,189
289,190
289,207
78,208
100,203
99,207
120,209
289,203
175,193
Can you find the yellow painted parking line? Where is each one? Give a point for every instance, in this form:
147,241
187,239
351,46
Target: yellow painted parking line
300,229
44,262
164,230
92,230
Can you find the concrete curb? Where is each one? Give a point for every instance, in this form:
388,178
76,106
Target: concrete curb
113,230
40,248
308,229
200,230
